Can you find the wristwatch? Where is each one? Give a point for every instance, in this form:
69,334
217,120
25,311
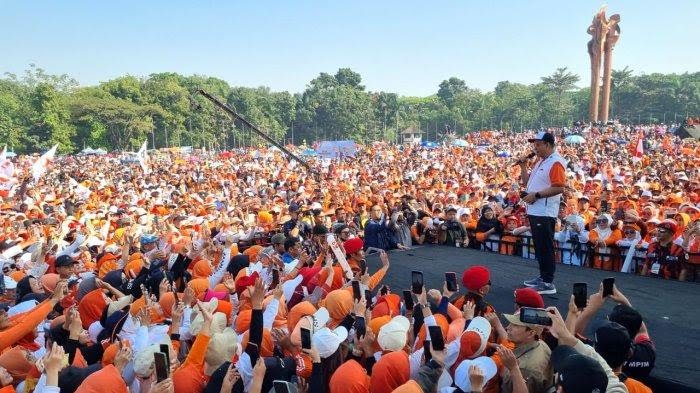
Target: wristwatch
537,195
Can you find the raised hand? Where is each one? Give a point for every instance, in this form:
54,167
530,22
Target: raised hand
468,310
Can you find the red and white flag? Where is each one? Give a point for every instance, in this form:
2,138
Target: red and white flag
638,148
40,166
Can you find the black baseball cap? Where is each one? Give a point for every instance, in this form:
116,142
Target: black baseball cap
613,343
578,373
543,136
64,260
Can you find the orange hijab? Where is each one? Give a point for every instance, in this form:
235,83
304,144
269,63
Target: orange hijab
107,380
16,363
390,372
350,377
91,307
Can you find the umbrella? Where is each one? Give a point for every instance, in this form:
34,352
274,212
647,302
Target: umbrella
309,153
459,143
10,154
503,153
428,144
574,139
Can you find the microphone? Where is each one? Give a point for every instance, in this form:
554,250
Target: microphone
529,156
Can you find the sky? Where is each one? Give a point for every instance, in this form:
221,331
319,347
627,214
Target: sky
407,47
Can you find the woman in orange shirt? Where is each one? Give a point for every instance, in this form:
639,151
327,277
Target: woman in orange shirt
602,238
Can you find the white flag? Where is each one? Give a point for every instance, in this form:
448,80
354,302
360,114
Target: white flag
143,157
40,166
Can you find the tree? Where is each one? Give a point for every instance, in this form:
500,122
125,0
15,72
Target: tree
561,82
51,121
450,89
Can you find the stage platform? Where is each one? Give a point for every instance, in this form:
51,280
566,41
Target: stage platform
670,309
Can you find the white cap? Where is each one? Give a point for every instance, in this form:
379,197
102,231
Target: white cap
327,341
392,336
481,326
487,366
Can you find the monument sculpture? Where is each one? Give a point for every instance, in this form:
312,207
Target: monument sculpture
604,35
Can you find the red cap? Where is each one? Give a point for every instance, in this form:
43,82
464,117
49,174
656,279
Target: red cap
528,297
353,245
669,225
476,277
245,282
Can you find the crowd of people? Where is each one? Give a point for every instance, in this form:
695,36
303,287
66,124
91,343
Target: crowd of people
227,260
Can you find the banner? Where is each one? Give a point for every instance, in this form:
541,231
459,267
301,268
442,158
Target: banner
339,255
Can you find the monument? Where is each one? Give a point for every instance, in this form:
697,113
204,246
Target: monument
605,34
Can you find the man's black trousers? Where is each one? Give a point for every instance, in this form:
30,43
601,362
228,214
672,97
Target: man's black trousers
542,229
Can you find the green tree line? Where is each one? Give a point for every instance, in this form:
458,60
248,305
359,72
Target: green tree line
38,109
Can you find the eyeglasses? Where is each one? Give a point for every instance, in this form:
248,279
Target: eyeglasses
601,221
630,232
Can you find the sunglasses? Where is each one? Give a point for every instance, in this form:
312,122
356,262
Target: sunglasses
601,221
630,232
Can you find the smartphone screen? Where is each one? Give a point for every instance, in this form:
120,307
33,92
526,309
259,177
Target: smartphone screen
608,286
535,316
164,348
363,267
417,281
580,294
426,351
275,279
384,290
408,300
368,298
162,366
305,338
360,327
436,338
281,386
356,293
451,280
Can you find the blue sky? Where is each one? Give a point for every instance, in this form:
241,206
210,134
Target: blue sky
407,47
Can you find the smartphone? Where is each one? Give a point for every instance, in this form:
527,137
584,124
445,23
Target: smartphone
162,367
356,292
436,338
164,348
305,338
372,250
408,300
368,298
417,281
426,351
363,267
451,280
275,279
535,316
360,327
580,294
281,387
608,286
604,206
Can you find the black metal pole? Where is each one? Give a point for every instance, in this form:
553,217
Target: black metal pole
235,116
